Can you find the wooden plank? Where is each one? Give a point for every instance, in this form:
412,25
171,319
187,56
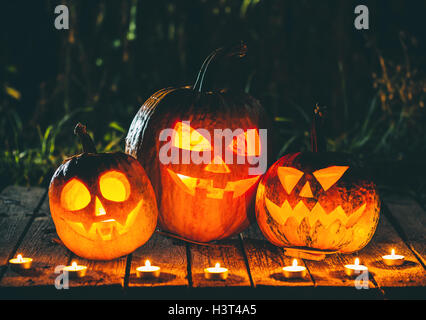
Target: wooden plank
101,273
409,219
166,253
266,261
330,271
411,274
17,205
43,245
325,278
39,243
229,254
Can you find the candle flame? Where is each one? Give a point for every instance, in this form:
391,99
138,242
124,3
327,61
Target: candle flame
74,264
393,252
357,261
217,265
19,257
294,263
147,263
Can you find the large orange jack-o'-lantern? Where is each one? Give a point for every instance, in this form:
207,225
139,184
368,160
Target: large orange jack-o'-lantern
102,204
317,202
209,200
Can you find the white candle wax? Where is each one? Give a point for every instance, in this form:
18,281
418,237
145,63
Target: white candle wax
20,262
393,259
216,273
294,271
75,270
355,269
148,271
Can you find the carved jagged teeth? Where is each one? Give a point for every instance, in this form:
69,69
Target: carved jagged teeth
105,235
87,225
200,192
122,220
115,233
228,195
204,183
206,187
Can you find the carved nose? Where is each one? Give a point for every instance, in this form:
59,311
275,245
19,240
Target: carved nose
99,208
306,191
217,166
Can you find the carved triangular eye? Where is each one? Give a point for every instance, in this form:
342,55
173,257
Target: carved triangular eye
246,143
289,177
187,138
327,177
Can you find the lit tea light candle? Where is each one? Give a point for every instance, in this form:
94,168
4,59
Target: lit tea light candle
294,271
21,263
75,271
393,259
148,271
355,269
216,273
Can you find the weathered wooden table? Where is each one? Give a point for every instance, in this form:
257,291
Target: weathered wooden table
26,227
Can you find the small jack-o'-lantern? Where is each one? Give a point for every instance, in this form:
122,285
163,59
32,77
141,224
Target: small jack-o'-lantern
317,202
208,200
102,204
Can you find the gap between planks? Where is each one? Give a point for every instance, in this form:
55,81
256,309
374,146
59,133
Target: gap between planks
25,230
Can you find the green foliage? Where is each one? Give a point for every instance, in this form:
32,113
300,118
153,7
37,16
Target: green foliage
117,53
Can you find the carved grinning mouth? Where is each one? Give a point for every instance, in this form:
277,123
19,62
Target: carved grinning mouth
194,186
107,229
317,214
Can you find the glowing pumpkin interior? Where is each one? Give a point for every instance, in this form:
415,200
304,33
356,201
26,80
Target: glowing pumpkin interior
246,143
113,186
185,137
311,214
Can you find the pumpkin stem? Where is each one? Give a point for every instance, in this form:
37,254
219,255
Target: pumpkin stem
86,141
239,50
318,141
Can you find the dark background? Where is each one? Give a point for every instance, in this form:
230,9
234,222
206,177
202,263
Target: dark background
117,53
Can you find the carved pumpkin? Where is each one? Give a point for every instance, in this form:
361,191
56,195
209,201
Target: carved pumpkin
200,201
102,204
317,202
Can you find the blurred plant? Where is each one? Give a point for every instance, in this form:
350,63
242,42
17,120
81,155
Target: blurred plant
25,165
394,123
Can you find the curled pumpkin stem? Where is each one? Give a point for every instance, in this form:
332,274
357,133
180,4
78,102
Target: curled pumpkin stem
239,51
85,139
318,141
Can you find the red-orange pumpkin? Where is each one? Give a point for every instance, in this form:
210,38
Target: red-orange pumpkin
102,204
206,201
317,202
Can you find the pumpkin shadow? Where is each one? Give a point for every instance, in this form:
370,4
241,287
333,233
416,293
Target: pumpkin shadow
232,279
280,277
381,265
163,278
